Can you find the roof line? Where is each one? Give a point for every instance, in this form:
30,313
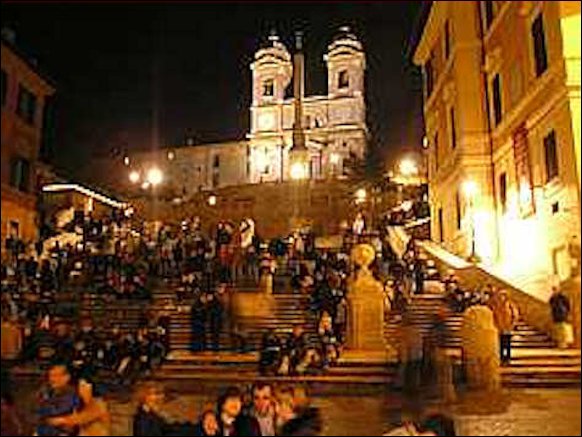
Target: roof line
29,61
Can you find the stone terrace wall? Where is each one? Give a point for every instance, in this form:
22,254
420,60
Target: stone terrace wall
272,205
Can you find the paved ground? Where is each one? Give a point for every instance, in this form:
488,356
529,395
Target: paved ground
519,412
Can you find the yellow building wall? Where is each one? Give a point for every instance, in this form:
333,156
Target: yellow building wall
531,251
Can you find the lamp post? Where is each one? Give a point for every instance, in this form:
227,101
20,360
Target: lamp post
470,190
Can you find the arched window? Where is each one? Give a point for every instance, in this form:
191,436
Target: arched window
343,80
268,88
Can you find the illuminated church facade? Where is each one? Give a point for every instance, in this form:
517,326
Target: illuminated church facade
333,126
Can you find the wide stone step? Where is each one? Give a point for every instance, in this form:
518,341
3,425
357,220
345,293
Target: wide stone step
361,371
209,368
245,377
546,362
529,382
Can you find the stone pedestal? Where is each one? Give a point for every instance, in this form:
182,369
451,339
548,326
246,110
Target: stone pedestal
365,305
480,342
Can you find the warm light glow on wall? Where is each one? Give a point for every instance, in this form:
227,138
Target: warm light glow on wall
298,171
334,158
483,222
470,189
261,160
523,248
525,193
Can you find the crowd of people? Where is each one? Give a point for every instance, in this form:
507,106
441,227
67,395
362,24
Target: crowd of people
261,410
115,262
78,406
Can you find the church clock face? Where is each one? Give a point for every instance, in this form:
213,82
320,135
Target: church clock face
266,122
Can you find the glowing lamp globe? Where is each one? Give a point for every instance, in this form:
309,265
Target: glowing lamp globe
155,176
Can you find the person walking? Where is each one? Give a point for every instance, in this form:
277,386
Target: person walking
560,307
505,316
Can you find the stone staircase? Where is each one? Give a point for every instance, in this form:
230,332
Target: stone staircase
290,310
127,314
229,366
535,360
186,370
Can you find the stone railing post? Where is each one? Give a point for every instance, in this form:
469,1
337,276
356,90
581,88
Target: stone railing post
480,343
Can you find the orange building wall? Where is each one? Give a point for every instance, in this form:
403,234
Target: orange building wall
20,139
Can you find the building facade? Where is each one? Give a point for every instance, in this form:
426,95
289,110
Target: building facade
334,124
25,96
502,116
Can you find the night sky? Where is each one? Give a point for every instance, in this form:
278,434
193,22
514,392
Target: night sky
127,74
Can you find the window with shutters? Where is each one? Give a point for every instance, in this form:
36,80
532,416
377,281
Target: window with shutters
539,45
20,174
458,209
496,96
268,88
453,128
551,156
447,39
343,80
503,191
26,108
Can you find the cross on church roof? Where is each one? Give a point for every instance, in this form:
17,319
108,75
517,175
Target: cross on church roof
273,37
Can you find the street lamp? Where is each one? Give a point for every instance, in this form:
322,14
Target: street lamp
134,177
470,190
361,195
212,200
154,176
408,167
